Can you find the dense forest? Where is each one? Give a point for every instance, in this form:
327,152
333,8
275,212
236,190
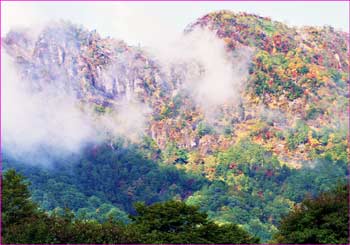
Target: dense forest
246,144
167,222
249,187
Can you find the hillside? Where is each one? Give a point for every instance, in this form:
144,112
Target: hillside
247,159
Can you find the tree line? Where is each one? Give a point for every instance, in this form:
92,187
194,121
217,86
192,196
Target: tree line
323,219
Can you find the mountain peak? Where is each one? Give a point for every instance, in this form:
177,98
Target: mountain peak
292,72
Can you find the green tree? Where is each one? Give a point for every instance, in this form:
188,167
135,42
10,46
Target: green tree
16,203
23,222
176,222
204,129
323,219
21,219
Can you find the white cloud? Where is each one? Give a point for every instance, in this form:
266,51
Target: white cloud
146,22
212,76
42,125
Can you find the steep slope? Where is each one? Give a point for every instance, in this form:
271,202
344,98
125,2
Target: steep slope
296,74
282,136
98,70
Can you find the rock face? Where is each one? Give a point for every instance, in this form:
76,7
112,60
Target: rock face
100,70
295,74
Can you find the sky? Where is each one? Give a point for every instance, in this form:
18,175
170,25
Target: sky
139,23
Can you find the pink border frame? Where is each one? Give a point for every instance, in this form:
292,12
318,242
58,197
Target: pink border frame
166,1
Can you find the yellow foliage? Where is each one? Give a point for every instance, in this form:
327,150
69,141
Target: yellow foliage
193,157
269,146
313,142
295,63
226,16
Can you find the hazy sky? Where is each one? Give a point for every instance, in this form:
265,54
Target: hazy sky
143,22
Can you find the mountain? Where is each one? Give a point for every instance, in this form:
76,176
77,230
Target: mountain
247,159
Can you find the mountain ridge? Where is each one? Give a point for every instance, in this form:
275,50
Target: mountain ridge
287,123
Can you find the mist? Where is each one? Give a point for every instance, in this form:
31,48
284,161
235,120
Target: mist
40,126
211,74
